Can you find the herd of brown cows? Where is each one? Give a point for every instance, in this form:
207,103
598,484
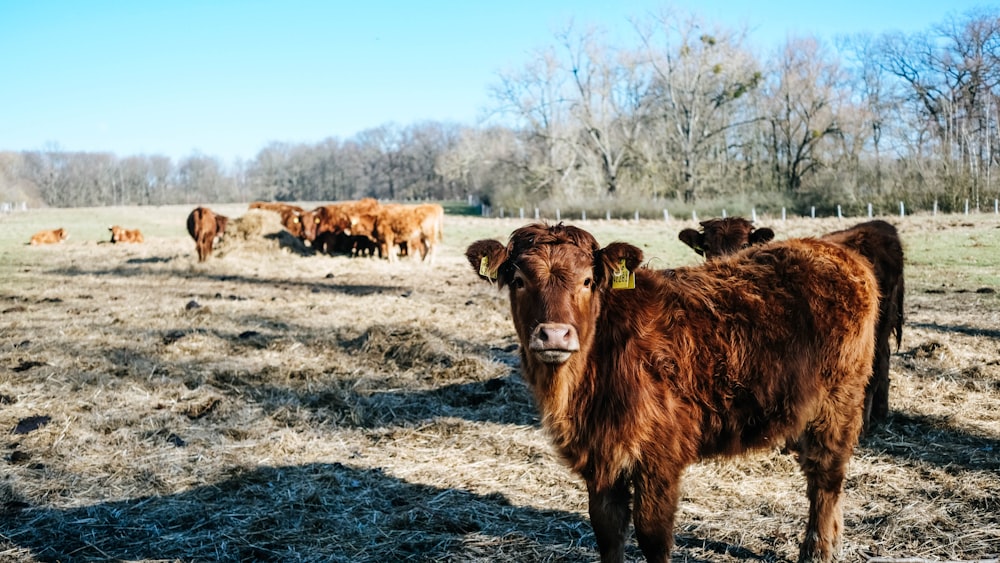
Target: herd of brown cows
365,227
639,373
877,241
359,228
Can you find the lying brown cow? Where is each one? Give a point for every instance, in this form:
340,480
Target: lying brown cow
204,226
121,234
639,374
878,241
51,236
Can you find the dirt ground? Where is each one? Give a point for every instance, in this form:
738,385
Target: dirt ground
270,405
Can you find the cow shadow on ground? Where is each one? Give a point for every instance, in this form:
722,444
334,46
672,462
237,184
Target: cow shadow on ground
933,440
314,512
321,511
960,329
314,286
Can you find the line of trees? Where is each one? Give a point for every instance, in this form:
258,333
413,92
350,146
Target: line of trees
685,111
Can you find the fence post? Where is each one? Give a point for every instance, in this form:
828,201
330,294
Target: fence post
902,209
558,214
536,214
723,212
935,208
666,216
637,216
996,206
840,215
783,215
812,211
869,210
966,206
753,214
694,215
522,213
607,215
501,212
583,215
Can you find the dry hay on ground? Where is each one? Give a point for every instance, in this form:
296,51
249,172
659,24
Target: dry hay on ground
334,409
258,232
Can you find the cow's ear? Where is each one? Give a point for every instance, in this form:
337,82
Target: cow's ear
694,239
761,235
609,261
486,257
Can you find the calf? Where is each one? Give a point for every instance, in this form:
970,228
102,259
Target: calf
51,236
741,353
878,241
204,226
121,234
719,237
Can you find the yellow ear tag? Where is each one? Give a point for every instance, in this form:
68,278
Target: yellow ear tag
484,269
622,279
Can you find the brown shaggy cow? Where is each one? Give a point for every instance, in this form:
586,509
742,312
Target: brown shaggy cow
51,236
719,237
878,241
204,226
291,215
741,353
121,234
417,228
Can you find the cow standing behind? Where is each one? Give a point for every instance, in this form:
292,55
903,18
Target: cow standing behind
878,241
740,353
291,215
418,228
121,234
50,236
204,226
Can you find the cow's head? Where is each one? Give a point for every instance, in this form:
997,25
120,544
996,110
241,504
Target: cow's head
557,277
291,219
116,233
62,234
722,237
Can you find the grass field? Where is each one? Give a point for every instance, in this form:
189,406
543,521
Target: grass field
270,406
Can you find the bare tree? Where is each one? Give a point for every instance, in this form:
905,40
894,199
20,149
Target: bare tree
700,79
804,96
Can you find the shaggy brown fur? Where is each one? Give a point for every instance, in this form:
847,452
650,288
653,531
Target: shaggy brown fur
121,234
878,241
204,226
741,353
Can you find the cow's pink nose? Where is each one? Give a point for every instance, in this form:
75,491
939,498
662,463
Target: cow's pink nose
554,336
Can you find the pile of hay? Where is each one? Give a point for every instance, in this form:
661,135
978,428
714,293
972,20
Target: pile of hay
259,232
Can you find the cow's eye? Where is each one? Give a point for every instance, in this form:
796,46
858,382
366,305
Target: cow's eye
587,283
518,282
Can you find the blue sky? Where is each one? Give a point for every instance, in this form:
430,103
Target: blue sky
225,78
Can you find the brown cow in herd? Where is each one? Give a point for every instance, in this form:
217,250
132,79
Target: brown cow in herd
204,226
878,241
638,374
291,215
51,236
121,234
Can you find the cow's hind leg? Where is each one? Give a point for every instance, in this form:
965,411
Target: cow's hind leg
609,513
825,449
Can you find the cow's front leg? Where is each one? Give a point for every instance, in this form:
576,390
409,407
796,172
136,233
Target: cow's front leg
655,506
609,513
